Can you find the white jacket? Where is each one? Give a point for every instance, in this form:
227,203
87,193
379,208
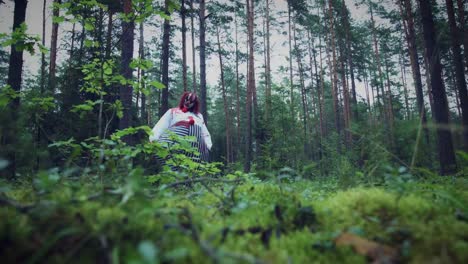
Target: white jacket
175,115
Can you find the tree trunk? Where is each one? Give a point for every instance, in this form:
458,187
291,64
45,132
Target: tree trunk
15,71
372,109
194,64
389,106
441,115
463,29
334,69
410,34
204,106
322,89
126,90
403,81
379,68
165,62
250,84
459,70
303,93
184,44
291,81
109,35
457,97
349,57
313,63
267,64
53,48
142,75
366,86
43,62
98,34
72,46
237,91
346,106
223,89
112,94
42,85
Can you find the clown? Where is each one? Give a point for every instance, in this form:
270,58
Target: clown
185,120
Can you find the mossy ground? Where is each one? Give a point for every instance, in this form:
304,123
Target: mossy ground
266,222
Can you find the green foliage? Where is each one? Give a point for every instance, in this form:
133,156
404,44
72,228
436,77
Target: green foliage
7,94
22,41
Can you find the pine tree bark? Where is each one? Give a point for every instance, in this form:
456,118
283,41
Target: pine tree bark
379,68
126,90
43,61
225,102
250,85
72,45
332,40
389,105
410,35
463,29
459,70
165,62
346,105
43,76
444,136
366,86
302,84
405,86
203,101
238,134
349,56
322,88
53,48
184,44
15,71
291,76
109,34
194,64
318,100
267,64
141,50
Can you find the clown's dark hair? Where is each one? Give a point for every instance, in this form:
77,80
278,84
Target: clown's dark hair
193,98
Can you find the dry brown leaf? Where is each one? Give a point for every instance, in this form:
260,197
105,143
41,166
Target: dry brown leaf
376,252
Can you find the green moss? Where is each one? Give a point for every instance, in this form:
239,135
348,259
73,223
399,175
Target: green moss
260,221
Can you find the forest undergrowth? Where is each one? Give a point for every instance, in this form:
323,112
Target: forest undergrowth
112,211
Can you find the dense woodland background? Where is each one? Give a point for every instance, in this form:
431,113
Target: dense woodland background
354,99
410,69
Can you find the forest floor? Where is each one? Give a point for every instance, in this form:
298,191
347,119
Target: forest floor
252,221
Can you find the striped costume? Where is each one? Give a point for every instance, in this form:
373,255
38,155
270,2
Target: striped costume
176,121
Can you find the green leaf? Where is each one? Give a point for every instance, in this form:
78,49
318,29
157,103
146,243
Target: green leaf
58,19
69,142
43,49
88,26
88,43
118,108
157,85
107,70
